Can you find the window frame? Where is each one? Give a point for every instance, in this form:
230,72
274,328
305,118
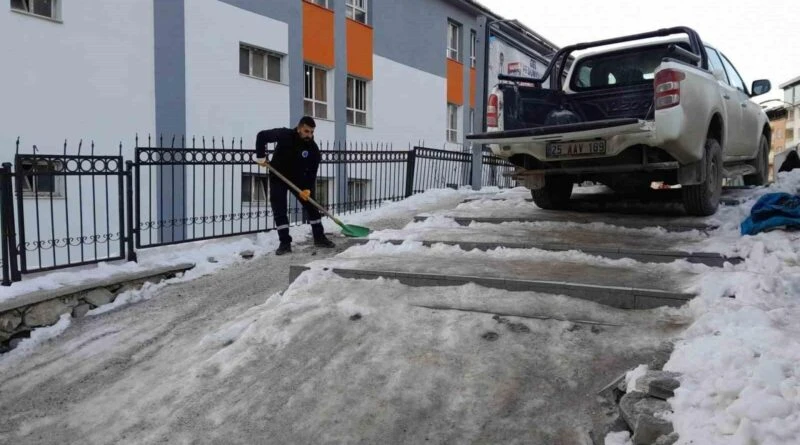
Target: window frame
735,73
312,100
257,183
354,110
252,50
713,52
452,115
30,182
351,9
30,10
454,53
362,187
324,3
473,49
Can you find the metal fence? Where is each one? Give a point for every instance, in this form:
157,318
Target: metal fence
60,211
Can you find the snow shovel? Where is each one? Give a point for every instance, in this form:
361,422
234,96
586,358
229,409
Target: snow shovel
347,229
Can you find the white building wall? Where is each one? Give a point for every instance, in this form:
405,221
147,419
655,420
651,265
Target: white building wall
408,106
221,102
88,76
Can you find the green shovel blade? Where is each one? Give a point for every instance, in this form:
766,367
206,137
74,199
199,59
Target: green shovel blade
354,231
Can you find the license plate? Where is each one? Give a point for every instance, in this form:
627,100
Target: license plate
570,149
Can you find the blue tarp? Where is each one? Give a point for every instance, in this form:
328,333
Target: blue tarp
773,211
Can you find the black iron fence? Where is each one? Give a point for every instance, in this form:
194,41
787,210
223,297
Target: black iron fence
60,211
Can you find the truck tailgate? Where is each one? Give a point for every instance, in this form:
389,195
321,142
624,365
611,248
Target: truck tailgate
576,131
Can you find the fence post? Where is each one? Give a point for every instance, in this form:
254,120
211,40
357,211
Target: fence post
129,233
411,161
4,174
9,236
476,167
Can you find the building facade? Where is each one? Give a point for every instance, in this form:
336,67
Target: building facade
396,72
791,99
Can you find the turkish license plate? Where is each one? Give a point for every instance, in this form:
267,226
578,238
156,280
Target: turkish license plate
579,148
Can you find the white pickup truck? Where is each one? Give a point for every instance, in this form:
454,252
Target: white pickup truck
671,110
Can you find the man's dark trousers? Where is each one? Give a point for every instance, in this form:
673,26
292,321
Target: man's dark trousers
279,201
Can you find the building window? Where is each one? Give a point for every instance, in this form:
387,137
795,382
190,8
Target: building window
356,101
260,63
452,123
357,10
316,92
254,188
321,194
473,48
454,41
357,193
323,3
42,8
42,180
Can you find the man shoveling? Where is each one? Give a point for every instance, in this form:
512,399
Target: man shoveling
297,157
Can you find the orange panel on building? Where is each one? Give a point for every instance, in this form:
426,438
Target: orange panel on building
359,49
455,82
473,84
318,35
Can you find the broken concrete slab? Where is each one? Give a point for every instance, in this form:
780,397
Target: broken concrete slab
641,412
649,429
660,384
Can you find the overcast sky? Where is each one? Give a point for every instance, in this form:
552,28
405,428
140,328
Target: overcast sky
762,41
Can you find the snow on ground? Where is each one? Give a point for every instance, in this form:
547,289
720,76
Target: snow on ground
226,251
333,360
740,358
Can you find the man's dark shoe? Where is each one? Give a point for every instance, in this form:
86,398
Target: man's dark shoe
324,242
284,248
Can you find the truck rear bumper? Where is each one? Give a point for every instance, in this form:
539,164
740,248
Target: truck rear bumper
626,168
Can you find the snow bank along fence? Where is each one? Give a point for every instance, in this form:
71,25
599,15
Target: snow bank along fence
68,210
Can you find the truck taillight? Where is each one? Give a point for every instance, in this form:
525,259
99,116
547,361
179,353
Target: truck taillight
667,84
491,111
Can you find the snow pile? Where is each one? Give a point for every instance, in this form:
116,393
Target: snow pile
632,376
740,359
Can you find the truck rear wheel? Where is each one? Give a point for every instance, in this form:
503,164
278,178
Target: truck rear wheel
761,163
703,199
555,194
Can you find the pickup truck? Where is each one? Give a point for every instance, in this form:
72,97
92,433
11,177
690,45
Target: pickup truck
666,108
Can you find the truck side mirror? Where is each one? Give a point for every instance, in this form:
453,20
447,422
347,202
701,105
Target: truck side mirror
760,87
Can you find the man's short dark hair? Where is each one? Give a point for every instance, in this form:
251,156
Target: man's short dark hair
308,121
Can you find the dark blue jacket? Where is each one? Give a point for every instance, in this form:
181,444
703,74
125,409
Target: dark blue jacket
293,157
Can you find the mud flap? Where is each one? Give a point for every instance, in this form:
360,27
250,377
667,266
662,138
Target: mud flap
694,173
533,182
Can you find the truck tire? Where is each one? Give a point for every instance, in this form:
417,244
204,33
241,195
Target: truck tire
761,163
555,194
703,199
